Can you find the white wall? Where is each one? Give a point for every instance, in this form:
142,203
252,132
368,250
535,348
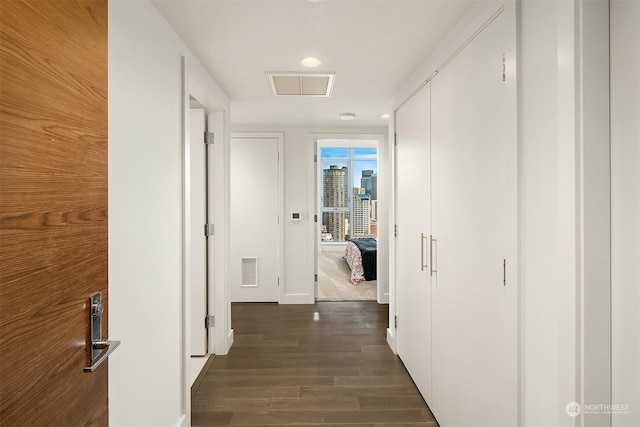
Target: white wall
595,210
146,102
546,229
625,209
564,212
299,194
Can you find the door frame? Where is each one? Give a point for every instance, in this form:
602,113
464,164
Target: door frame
316,204
220,337
279,137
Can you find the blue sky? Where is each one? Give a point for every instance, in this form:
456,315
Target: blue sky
327,153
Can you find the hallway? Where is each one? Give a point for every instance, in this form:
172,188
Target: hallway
322,364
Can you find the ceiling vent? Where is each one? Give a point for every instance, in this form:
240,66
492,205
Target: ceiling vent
301,84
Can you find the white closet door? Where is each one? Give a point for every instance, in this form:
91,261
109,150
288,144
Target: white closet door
413,287
197,239
473,221
254,224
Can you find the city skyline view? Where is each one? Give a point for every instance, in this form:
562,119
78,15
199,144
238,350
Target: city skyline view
349,197
364,158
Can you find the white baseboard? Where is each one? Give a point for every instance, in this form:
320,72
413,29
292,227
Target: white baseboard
183,422
391,340
297,299
230,338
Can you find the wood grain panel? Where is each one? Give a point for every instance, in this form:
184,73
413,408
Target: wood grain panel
53,209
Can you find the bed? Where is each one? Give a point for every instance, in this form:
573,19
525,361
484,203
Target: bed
361,255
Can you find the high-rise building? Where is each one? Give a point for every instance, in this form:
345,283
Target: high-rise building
373,211
366,182
335,196
360,222
374,228
374,186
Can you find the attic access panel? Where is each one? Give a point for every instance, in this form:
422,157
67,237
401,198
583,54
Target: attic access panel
301,84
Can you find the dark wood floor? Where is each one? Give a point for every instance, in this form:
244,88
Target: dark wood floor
309,365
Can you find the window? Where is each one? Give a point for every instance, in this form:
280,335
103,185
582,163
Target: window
349,193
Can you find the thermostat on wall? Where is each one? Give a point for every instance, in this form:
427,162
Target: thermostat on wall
296,216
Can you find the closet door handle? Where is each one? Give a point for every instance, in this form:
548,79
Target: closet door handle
422,239
431,240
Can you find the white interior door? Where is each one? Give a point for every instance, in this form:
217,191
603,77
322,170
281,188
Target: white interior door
413,286
473,222
254,223
198,241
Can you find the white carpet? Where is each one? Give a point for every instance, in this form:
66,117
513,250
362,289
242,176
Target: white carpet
334,282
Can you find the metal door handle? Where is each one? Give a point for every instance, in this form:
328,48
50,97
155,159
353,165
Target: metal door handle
109,345
422,264
101,345
100,348
432,270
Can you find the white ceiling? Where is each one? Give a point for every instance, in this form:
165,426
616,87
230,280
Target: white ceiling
373,45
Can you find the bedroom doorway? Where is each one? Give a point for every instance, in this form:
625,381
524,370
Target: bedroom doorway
347,219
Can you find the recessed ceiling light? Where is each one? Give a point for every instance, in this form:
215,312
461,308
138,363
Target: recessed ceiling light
347,116
384,116
311,62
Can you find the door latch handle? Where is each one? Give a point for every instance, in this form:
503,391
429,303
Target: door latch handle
100,348
109,345
101,345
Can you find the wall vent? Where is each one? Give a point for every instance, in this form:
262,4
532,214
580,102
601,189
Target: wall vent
249,272
301,84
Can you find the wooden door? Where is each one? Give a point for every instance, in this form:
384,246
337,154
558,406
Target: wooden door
413,221
255,222
53,209
473,221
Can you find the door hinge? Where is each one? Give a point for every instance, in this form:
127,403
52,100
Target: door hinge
315,218
209,230
395,321
315,277
504,272
395,138
395,230
209,321
315,158
504,67
209,137
278,156
278,281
